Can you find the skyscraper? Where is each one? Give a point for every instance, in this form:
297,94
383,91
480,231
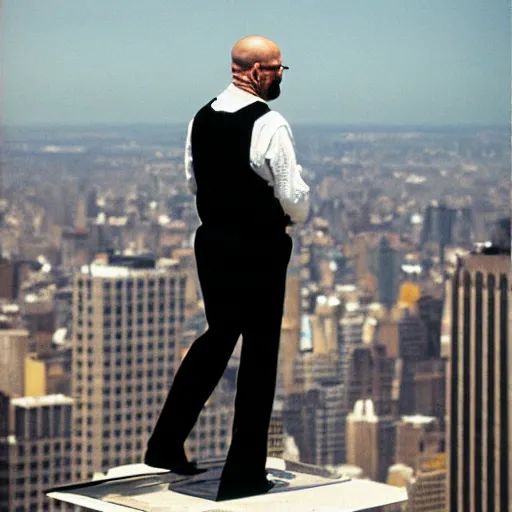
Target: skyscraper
36,453
385,264
429,384
412,348
370,376
438,226
315,420
7,279
479,396
290,333
126,317
350,335
370,440
13,350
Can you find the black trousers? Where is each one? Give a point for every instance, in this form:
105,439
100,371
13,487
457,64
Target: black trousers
243,281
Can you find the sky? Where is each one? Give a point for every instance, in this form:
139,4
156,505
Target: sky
398,62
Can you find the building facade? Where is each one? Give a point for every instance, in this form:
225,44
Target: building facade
35,452
126,318
479,396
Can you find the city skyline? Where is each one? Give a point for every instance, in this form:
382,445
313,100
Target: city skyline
97,232
382,64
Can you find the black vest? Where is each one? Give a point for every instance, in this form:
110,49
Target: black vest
230,195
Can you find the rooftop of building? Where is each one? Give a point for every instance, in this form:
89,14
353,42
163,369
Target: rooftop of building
40,401
418,419
123,266
298,487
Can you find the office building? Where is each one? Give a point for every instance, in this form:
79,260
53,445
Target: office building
438,227
370,440
315,419
350,335
416,436
479,396
370,375
14,351
429,385
290,334
8,279
430,310
426,487
127,315
412,348
39,317
276,433
35,452
385,262
211,435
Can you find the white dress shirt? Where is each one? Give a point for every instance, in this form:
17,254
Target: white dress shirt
272,154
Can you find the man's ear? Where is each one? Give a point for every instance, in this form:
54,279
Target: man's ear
255,72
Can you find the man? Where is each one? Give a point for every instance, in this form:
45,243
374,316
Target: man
241,164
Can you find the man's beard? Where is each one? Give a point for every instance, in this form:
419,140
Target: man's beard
274,90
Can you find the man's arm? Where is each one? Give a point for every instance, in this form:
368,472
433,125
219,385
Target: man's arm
289,187
189,164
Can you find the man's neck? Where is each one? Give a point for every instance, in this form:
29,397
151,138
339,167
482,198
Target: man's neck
246,87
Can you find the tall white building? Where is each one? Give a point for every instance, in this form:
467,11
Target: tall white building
126,320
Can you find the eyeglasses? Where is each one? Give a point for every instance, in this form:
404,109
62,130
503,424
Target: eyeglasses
275,68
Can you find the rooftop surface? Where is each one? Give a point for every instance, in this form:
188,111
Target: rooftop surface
297,488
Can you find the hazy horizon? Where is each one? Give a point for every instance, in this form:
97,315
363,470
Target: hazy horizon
122,62
182,124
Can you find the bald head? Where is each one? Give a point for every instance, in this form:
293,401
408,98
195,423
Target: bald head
256,66
252,49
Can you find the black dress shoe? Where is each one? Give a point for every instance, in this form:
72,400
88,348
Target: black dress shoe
238,490
181,467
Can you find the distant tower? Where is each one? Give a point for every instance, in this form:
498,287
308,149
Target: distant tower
290,332
463,228
350,335
385,265
92,204
501,234
438,226
370,375
81,214
430,310
479,397
412,348
370,440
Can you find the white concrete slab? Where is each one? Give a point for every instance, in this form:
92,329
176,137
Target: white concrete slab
150,491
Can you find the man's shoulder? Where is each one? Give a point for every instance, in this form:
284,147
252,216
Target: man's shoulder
273,120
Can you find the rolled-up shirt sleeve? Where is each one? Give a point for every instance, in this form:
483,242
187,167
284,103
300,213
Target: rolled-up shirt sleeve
189,164
289,187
